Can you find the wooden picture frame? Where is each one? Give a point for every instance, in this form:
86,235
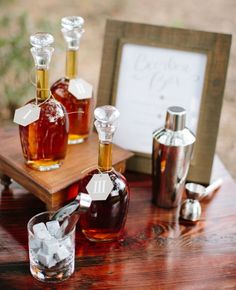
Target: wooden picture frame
215,46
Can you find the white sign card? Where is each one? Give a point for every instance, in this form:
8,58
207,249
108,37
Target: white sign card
150,80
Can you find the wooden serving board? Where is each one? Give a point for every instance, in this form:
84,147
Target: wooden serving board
51,187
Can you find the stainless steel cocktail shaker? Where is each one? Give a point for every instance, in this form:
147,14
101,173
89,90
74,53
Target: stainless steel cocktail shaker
171,156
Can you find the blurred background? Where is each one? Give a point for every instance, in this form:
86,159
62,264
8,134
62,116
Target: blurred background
20,18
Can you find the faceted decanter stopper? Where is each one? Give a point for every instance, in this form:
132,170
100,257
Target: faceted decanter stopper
106,122
41,50
72,30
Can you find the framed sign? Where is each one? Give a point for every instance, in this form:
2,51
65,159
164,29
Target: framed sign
145,69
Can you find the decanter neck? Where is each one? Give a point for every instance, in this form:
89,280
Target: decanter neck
106,124
71,63
42,53
42,84
72,30
105,156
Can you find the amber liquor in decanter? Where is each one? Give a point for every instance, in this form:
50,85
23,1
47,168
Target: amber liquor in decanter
105,220
74,93
44,124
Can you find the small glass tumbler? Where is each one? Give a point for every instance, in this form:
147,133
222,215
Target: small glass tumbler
52,259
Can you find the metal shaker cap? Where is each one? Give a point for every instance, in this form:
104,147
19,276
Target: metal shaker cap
175,118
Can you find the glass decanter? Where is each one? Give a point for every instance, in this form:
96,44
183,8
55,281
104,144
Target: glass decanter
44,142
105,219
79,110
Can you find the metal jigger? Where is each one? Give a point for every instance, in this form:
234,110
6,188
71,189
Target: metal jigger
191,208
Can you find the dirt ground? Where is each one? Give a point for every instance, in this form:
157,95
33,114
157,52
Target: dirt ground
210,15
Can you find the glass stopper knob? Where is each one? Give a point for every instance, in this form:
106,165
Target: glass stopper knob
72,22
72,30
41,39
41,50
106,122
106,114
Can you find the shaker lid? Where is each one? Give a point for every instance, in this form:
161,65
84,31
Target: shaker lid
175,118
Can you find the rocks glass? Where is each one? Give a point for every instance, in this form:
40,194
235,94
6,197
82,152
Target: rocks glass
51,255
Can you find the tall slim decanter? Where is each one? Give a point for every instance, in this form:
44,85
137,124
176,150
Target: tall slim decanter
105,219
73,92
44,124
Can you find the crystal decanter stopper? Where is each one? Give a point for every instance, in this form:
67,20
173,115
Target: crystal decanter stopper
73,92
105,219
72,30
41,50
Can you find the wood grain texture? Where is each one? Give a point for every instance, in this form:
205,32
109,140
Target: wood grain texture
215,45
158,252
51,186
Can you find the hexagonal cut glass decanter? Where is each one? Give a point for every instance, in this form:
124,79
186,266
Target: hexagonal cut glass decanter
79,109
105,220
44,141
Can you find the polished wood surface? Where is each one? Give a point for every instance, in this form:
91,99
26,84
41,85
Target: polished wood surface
158,252
51,186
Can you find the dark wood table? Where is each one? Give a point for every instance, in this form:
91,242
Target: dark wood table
158,252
